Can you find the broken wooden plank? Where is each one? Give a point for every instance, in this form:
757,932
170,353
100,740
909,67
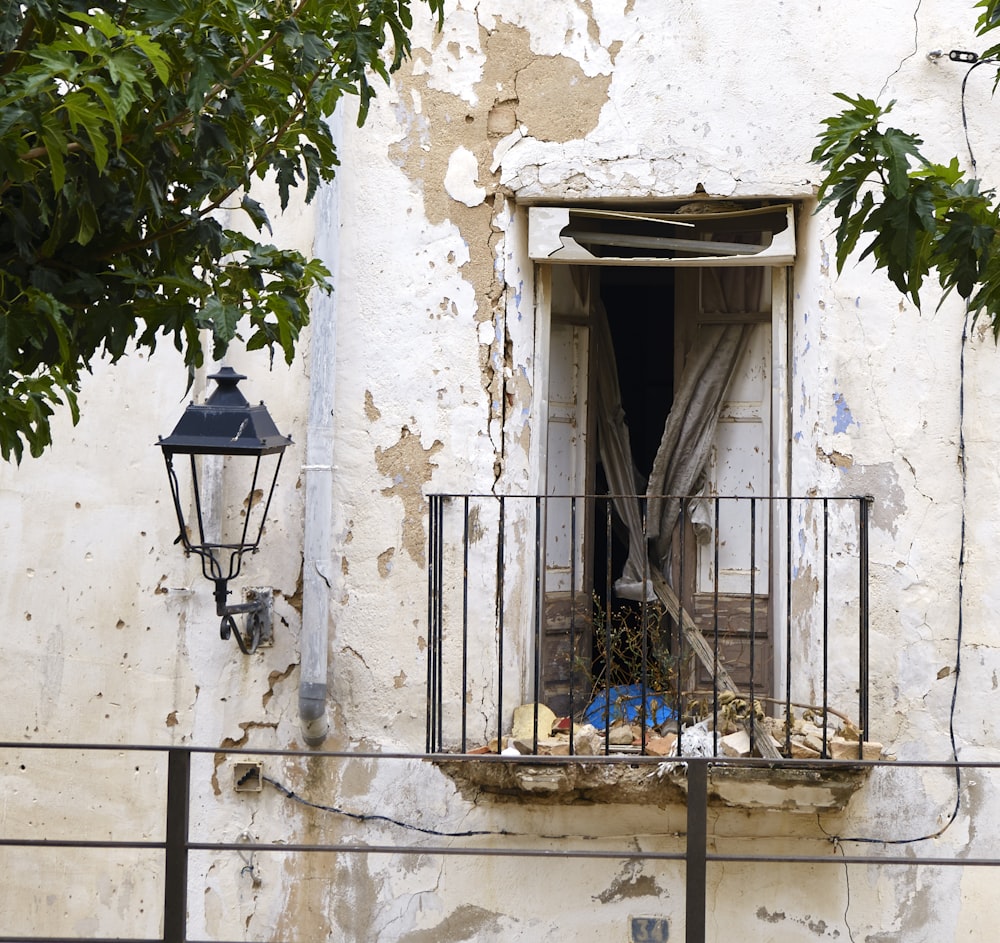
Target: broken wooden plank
703,651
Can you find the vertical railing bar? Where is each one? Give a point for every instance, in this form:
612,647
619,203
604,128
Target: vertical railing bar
428,744
465,620
501,537
697,850
433,599
682,603
646,582
176,850
826,619
607,628
572,619
715,629
643,663
788,626
537,665
439,641
753,615
863,519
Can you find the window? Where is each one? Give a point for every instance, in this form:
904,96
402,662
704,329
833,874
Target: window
664,336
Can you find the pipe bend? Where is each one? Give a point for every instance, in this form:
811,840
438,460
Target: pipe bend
312,713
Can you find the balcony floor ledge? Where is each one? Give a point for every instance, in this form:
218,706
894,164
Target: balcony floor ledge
788,786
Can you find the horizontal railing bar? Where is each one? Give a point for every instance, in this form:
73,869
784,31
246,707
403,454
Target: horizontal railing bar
81,843
21,938
630,759
850,498
617,854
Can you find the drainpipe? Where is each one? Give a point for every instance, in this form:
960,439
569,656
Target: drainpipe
314,642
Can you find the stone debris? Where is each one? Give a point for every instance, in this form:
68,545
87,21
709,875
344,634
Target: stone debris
661,746
588,741
735,744
524,721
621,735
802,738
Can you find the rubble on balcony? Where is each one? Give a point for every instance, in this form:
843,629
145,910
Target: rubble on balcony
783,784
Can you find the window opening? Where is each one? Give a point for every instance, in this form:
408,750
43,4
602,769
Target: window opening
653,319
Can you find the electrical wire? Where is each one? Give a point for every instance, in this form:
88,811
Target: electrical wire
963,468
965,117
375,817
847,904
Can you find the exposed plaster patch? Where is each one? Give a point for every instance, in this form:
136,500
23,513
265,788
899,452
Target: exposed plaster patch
557,102
408,464
835,458
881,481
372,413
385,562
274,678
295,598
465,923
631,883
515,91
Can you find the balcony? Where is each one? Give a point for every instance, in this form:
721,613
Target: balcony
747,638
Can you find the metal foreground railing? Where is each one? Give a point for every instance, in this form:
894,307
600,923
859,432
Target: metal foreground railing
698,855
766,606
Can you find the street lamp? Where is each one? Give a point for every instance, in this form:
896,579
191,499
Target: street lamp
226,425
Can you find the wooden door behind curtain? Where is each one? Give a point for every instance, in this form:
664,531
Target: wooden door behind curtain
739,465
567,594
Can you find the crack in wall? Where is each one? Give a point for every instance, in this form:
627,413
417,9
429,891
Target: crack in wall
551,96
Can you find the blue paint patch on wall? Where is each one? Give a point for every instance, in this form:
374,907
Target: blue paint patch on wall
842,417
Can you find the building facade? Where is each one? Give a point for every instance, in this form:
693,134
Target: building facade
517,220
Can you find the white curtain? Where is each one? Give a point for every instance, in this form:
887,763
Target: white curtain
685,445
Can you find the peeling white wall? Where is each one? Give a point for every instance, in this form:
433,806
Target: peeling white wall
110,635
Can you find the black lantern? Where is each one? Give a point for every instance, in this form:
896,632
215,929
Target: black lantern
242,435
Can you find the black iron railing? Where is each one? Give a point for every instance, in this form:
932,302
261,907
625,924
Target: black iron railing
754,615
692,851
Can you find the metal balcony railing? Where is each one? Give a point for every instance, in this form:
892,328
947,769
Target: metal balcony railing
756,619
377,835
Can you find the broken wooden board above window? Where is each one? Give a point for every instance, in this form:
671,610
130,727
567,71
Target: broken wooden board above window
697,234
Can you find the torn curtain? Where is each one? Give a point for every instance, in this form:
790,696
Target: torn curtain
685,446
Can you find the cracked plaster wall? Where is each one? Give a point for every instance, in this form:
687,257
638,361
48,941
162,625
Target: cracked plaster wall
111,630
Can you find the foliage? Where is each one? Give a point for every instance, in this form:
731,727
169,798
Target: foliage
128,132
920,215
624,654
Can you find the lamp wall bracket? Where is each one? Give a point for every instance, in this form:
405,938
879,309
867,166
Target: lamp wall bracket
257,607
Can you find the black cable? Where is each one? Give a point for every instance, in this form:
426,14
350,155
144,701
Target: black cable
965,119
847,905
374,817
836,839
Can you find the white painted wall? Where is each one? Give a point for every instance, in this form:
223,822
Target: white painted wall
110,635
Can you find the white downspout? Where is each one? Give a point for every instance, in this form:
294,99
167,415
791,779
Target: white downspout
318,473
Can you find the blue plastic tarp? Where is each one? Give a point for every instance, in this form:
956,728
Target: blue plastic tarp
625,702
